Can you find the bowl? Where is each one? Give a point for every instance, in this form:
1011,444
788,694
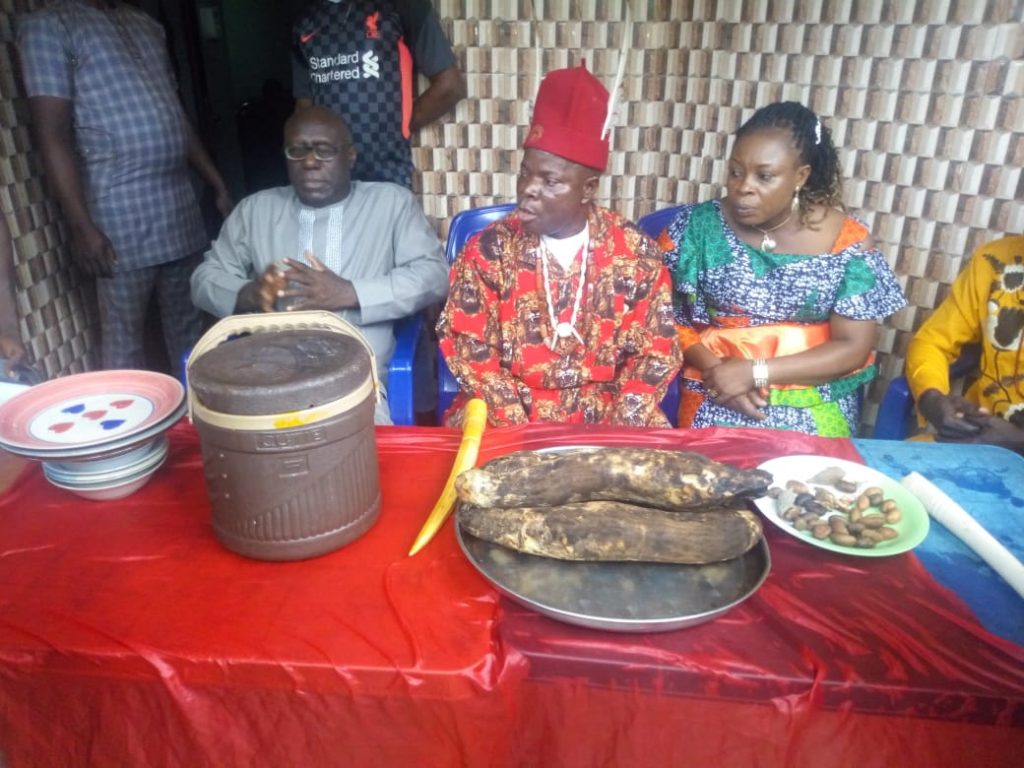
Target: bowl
109,490
108,468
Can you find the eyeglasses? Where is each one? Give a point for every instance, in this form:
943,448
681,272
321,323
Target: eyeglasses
322,152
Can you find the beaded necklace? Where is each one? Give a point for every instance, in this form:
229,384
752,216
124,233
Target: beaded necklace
564,330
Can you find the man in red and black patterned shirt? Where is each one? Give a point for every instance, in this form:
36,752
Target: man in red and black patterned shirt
357,58
562,311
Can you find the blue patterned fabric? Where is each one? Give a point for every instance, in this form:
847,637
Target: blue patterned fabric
131,133
715,274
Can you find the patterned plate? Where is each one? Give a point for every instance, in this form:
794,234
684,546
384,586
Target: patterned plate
88,410
103,451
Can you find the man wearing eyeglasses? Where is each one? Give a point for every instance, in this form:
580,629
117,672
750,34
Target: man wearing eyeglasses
360,248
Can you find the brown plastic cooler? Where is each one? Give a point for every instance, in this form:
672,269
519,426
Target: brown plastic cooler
284,404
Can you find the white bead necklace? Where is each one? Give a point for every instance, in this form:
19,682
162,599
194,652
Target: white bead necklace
564,330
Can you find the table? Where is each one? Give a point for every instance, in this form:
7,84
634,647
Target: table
991,486
129,636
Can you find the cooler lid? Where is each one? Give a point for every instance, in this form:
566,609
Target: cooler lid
279,371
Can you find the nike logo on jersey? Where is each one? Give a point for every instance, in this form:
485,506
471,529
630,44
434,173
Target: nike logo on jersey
308,36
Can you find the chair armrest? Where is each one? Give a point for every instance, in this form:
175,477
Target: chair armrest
895,419
447,387
896,415
401,387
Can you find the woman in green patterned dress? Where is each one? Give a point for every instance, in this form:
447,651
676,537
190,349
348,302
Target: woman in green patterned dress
778,291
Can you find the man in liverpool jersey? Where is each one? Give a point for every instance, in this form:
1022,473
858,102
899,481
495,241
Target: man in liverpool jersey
358,58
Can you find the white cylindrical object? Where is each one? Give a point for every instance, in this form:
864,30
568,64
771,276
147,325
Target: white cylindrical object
967,529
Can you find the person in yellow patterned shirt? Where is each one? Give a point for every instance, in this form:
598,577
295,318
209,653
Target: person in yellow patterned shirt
985,306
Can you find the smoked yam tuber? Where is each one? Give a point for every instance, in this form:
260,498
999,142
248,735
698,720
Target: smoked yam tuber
616,531
644,476
514,462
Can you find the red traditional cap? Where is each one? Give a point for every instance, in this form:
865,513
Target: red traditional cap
568,117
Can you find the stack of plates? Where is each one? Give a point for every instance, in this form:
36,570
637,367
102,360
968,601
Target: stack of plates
112,477
98,434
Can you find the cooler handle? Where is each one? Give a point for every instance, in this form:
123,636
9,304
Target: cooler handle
233,325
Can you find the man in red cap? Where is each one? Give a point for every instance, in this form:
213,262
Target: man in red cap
562,311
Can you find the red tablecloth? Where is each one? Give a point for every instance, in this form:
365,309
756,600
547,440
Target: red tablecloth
129,636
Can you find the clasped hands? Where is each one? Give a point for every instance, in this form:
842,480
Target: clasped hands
731,383
958,420
311,286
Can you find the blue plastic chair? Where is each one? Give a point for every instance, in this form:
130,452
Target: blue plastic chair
401,383
653,223
468,223
464,225
897,419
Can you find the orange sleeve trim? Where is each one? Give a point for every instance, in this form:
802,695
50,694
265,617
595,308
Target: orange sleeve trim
851,232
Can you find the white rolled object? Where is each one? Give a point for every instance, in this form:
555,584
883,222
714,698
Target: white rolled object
967,529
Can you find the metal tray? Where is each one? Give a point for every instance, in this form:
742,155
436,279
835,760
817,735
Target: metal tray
621,597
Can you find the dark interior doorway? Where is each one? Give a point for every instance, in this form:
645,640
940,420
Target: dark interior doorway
231,58
234,72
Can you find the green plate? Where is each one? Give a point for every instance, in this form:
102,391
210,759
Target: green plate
912,528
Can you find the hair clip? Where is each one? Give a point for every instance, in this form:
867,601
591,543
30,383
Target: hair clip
817,131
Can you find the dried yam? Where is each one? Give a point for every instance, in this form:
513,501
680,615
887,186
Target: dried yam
643,476
616,531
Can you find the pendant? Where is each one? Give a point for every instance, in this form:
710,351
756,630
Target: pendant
564,330
767,244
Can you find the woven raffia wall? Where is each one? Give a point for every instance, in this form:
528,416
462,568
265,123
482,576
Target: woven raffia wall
923,98
57,309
